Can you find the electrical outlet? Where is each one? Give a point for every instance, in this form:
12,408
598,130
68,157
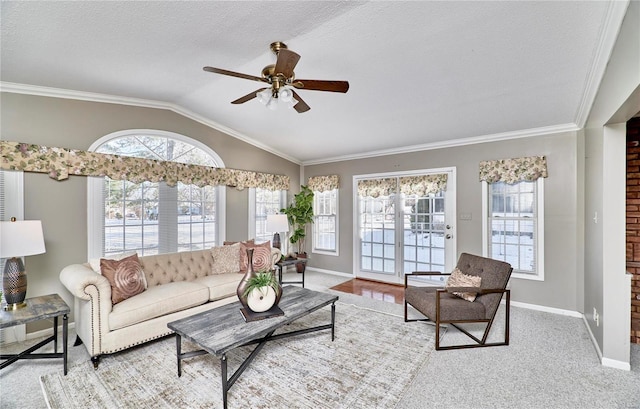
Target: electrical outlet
596,317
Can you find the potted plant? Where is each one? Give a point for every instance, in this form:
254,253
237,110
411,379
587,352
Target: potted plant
262,291
300,214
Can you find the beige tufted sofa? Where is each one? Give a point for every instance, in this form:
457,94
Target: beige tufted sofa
178,285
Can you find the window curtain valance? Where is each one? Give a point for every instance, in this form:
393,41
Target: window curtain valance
422,185
514,170
377,187
419,185
59,163
323,183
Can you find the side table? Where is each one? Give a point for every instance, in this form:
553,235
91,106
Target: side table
39,308
291,262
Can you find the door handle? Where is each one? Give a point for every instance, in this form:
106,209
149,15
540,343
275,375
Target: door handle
448,236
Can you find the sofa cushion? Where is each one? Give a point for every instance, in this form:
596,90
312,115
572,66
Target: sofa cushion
220,285
157,301
125,276
226,259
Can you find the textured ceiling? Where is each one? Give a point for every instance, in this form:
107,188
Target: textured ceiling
421,73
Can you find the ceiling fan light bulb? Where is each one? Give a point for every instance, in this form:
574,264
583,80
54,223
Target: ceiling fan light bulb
264,96
286,95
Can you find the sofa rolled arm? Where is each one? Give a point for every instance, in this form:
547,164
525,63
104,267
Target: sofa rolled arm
77,277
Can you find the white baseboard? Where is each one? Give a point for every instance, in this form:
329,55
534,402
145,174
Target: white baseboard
559,311
612,363
331,272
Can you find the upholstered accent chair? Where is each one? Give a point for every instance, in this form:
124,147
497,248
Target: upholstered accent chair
446,305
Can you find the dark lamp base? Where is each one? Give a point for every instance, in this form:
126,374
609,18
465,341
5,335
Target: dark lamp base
276,241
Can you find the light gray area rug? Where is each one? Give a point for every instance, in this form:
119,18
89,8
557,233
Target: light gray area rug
308,371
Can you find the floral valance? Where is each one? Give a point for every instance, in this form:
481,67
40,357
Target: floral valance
423,184
59,163
377,187
323,183
514,170
419,185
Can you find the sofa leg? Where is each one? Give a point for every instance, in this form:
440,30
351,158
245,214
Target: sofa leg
96,361
78,341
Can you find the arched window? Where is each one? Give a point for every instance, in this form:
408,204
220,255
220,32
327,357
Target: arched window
151,217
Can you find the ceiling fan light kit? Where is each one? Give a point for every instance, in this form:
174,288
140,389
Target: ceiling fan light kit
282,81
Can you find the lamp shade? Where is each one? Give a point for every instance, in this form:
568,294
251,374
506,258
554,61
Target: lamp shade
21,238
277,223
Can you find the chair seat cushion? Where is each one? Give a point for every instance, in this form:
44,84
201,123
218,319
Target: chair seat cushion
452,308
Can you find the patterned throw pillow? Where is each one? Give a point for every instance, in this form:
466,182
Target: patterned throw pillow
125,276
258,256
226,259
459,279
261,259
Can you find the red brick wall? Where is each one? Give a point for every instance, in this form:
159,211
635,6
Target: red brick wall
633,222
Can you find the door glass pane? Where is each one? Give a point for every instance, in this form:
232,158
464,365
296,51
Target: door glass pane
424,233
377,234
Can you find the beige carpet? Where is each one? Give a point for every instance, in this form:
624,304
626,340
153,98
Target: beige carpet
373,359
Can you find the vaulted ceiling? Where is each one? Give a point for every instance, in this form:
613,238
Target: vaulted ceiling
421,74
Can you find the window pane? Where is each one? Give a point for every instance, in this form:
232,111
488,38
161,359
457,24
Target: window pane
150,217
324,226
513,218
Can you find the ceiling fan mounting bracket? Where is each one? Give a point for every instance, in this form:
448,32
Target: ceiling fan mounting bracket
276,46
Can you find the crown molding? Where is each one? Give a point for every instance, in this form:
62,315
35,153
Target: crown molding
16,88
608,36
525,133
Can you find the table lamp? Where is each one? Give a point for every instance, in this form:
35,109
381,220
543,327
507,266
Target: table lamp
277,223
17,239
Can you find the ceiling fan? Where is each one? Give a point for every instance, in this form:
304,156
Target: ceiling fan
282,81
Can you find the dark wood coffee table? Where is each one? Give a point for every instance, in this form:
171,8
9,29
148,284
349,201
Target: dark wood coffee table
222,329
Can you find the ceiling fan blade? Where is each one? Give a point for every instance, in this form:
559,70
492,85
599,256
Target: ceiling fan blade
321,85
301,106
286,62
234,74
247,97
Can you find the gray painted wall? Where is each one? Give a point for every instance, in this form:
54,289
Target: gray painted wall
617,100
62,206
563,263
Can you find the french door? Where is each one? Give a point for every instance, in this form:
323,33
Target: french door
403,226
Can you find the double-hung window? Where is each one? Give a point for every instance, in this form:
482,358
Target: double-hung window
513,223
261,203
325,223
324,228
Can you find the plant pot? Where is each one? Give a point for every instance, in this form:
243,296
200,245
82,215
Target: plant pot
261,299
301,267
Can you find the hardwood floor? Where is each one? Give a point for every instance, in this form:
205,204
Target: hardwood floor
393,293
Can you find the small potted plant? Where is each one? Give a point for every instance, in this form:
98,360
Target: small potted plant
262,291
